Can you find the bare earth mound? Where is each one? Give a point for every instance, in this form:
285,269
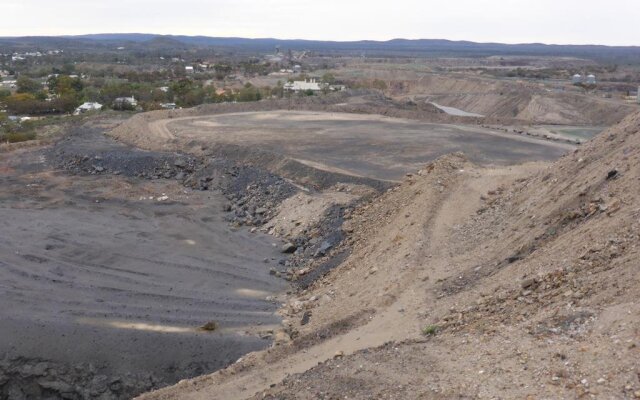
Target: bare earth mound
470,282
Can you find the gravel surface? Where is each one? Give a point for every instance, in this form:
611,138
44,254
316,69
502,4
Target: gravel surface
108,272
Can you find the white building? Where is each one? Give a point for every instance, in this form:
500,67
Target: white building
337,88
122,102
576,79
591,79
303,86
10,83
188,69
89,106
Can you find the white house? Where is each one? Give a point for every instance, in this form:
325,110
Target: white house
337,88
11,83
188,69
303,86
121,102
89,106
576,79
15,118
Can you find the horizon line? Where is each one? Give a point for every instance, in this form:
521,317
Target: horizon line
313,40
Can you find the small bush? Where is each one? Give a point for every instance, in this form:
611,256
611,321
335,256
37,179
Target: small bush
15,137
430,330
209,326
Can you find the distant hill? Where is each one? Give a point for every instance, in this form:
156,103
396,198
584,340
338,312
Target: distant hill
395,47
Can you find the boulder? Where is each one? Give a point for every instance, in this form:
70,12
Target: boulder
288,248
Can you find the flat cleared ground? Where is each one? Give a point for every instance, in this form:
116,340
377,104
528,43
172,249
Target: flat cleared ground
365,145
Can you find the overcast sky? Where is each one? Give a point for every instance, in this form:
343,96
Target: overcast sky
613,22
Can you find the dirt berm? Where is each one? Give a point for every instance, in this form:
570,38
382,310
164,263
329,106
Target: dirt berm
519,282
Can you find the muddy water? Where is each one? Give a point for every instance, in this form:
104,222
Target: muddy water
103,286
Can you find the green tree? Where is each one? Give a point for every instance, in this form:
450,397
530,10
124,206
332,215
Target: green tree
192,98
90,93
180,71
66,103
222,70
63,85
68,69
26,85
182,87
379,84
278,90
250,93
329,78
41,95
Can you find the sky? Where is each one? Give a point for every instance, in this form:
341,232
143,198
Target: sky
613,22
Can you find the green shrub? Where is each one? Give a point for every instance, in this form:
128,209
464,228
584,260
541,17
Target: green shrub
430,330
15,137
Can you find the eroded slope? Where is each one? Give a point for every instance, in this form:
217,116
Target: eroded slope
467,282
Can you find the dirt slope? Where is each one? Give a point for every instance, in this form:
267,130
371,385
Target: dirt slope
525,278
538,296
506,99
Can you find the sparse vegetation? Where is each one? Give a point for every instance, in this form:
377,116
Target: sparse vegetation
209,326
15,137
430,330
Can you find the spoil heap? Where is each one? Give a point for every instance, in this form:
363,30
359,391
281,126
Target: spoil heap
471,283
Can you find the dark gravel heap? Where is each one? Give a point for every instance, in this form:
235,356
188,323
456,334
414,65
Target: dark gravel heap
87,151
22,379
314,243
253,193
